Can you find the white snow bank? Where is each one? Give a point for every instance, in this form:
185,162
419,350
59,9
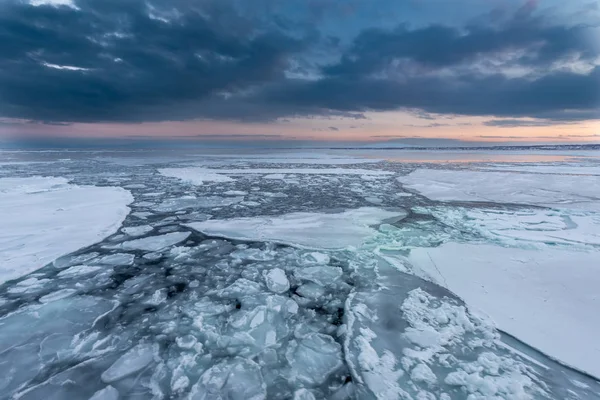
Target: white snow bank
576,192
198,176
548,299
302,229
44,218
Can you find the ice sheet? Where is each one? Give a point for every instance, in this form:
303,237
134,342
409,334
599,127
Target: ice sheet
280,157
306,230
59,218
153,243
525,228
576,192
549,299
550,169
198,175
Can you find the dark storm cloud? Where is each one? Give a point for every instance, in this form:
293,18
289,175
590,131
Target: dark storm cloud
131,65
545,97
133,60
440,46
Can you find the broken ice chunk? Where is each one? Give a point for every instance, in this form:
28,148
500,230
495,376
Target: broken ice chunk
116,259
241,287
136,230
185,202
311,291
108,393
129,363
155,243
238,379
313,358
186,342
422,373
314,258
78,270
277,281
321,275
266,326
159,296
253,254
303,394
59,294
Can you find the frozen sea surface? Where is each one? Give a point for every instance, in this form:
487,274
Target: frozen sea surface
45,217
306,276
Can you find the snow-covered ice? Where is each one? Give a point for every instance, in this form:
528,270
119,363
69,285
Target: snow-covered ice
129,363
138,230
276,280
548,298
186,202
308,230
196,176
154,243
297,287
549,169
44,218
575,192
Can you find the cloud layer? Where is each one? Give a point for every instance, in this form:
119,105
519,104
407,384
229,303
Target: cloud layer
133,60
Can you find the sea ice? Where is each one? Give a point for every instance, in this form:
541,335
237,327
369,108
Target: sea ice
312,158
549,169
154,243
59,219
136,359
277,281
59,294
238,379
116,259
139,230
78,270
546,298
196,176
524,228
406,338
321,275
184,202
313,358
108,393
560,191
307,230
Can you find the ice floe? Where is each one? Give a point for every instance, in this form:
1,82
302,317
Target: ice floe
185,202
342,313
197,175
153,243
411,339
308,230
276,280
575,192
546,298
139,230
549,169
129,363
59,219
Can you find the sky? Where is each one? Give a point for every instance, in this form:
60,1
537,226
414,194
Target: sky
301,70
